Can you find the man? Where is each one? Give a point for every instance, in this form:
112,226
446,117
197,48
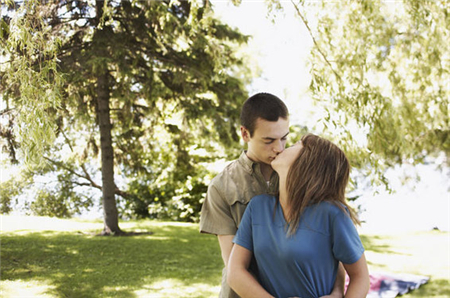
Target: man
264,127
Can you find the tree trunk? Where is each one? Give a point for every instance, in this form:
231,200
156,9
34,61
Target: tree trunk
110,214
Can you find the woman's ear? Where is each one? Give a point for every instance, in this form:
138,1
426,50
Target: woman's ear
245,134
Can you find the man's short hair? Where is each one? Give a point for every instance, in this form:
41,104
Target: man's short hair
262,105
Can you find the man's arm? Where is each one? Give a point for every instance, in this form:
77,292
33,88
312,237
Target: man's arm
226,244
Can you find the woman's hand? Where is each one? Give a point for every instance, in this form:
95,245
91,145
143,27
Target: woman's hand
332,296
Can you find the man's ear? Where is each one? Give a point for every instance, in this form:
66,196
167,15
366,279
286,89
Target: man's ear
245,134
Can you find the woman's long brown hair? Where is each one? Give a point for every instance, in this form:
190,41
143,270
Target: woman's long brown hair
320,173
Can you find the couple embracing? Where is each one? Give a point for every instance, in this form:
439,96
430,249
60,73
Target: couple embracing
280,215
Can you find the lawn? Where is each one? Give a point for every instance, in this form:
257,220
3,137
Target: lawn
42,257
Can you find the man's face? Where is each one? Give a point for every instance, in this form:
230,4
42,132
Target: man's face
268,140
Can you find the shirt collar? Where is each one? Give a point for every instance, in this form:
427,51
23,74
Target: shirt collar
246,162
249,166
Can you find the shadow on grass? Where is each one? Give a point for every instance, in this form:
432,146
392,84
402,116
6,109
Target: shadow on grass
80,265
174,258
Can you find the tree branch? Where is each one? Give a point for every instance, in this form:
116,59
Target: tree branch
87,177
314,40
6,111
83,184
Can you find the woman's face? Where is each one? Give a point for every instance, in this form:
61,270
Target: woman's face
284,160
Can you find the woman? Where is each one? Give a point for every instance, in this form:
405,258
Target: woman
299,237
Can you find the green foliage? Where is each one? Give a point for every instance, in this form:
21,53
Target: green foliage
8,191
381,70
180,200
11,189
31,78
62,202
47,204
175,84
52,196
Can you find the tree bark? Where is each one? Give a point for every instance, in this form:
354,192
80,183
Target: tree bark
110,214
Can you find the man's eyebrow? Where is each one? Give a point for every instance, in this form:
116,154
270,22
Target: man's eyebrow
272,139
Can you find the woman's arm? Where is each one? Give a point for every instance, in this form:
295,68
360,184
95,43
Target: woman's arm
339,284
359,278
238,276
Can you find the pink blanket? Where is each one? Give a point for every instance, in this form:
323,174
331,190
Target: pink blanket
388,285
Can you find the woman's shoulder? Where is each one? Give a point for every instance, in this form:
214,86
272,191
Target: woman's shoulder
322,216
262,200
332,208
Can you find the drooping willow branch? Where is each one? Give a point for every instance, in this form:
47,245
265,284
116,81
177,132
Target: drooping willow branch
314,40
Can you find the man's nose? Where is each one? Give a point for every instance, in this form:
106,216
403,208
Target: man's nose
278,146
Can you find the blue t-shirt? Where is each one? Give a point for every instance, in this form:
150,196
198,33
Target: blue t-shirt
305,264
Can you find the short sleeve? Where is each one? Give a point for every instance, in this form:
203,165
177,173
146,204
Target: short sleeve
216,217
347,246
244,235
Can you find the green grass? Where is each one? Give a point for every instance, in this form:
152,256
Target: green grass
421,253
64,259
175,261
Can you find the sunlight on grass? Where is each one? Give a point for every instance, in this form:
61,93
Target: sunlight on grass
422,253
175,258
26,224
19,288
419,253
161,238
177,288
43,257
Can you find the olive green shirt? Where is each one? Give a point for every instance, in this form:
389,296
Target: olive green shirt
227,197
